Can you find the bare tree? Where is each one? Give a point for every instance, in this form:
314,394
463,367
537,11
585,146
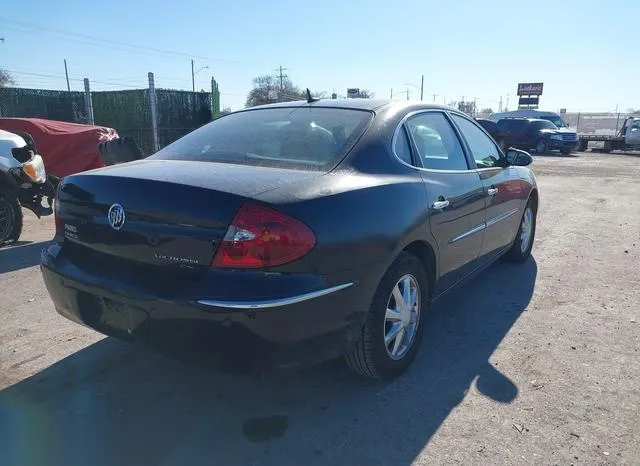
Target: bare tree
267,90
366,94
486,110
6,79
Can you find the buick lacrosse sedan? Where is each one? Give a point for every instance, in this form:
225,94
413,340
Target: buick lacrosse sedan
292,233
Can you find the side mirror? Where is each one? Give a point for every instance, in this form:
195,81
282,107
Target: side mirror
519,158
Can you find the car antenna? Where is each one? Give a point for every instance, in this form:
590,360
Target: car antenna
310,99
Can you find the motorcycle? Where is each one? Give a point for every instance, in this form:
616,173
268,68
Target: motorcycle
23,183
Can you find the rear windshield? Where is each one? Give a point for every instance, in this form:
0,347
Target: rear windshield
307,138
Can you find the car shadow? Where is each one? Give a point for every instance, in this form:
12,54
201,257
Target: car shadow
112,403
21,255
557,154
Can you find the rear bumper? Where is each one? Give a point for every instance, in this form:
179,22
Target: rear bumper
305,326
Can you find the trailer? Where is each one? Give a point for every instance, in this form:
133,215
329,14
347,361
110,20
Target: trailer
627,138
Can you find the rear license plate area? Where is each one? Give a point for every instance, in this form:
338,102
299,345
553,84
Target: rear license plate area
113,317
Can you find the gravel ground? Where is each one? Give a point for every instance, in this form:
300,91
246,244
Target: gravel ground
534,364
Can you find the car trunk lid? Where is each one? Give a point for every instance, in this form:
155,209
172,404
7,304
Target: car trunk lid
174,214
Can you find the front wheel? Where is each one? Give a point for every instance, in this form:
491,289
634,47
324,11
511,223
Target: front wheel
10,219
521,248
565,151
541,146
394,326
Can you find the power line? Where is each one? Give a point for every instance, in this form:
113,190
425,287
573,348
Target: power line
39,29
70,79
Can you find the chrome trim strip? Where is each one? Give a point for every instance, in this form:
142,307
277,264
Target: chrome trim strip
475,229
274,302
499,218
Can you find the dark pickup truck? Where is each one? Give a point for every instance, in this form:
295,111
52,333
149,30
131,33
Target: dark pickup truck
531,133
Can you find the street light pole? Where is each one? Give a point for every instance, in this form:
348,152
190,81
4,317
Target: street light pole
422,87
193,78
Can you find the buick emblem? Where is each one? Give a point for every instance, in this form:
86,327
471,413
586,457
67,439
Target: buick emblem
116,216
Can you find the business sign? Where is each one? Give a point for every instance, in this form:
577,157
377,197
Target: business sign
530,88
563,111
529,101
353,93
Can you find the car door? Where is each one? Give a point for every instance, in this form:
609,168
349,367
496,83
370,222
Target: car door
505,192
455,196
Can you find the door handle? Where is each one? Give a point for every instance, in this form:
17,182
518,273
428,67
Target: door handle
492,191
440,204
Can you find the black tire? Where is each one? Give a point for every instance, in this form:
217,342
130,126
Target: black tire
582,146
541,146
517,253
10,219
370,357
565,151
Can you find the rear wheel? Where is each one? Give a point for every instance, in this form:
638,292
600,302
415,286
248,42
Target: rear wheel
521,248
541,146
395,323
10,219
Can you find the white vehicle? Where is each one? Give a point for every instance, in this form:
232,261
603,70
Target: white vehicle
23,183
627,137
550,116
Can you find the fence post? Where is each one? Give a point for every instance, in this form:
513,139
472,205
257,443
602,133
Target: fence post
154,111
88,103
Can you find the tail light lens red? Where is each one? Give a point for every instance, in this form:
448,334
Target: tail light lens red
262,237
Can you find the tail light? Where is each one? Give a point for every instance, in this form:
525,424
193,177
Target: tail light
58,217
262,237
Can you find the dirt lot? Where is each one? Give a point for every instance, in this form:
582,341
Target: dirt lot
534,364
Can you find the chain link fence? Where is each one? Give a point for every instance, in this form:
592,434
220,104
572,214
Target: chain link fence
128,111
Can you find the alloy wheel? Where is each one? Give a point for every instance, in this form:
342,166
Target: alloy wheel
402,317
525,229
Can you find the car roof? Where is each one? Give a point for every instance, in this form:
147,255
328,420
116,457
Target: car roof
356,104
530,120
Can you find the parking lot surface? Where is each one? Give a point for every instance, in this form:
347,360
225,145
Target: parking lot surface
533,364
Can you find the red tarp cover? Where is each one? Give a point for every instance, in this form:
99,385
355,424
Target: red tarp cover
66,148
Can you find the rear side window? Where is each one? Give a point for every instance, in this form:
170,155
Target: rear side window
402,147
308,138
436,142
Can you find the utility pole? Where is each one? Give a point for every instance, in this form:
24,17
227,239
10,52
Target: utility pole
66,73
281,76
500,105
434,97
422,87
193,78
391,96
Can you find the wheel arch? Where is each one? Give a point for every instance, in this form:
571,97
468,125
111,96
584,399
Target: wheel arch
8,185
427,257
534,198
